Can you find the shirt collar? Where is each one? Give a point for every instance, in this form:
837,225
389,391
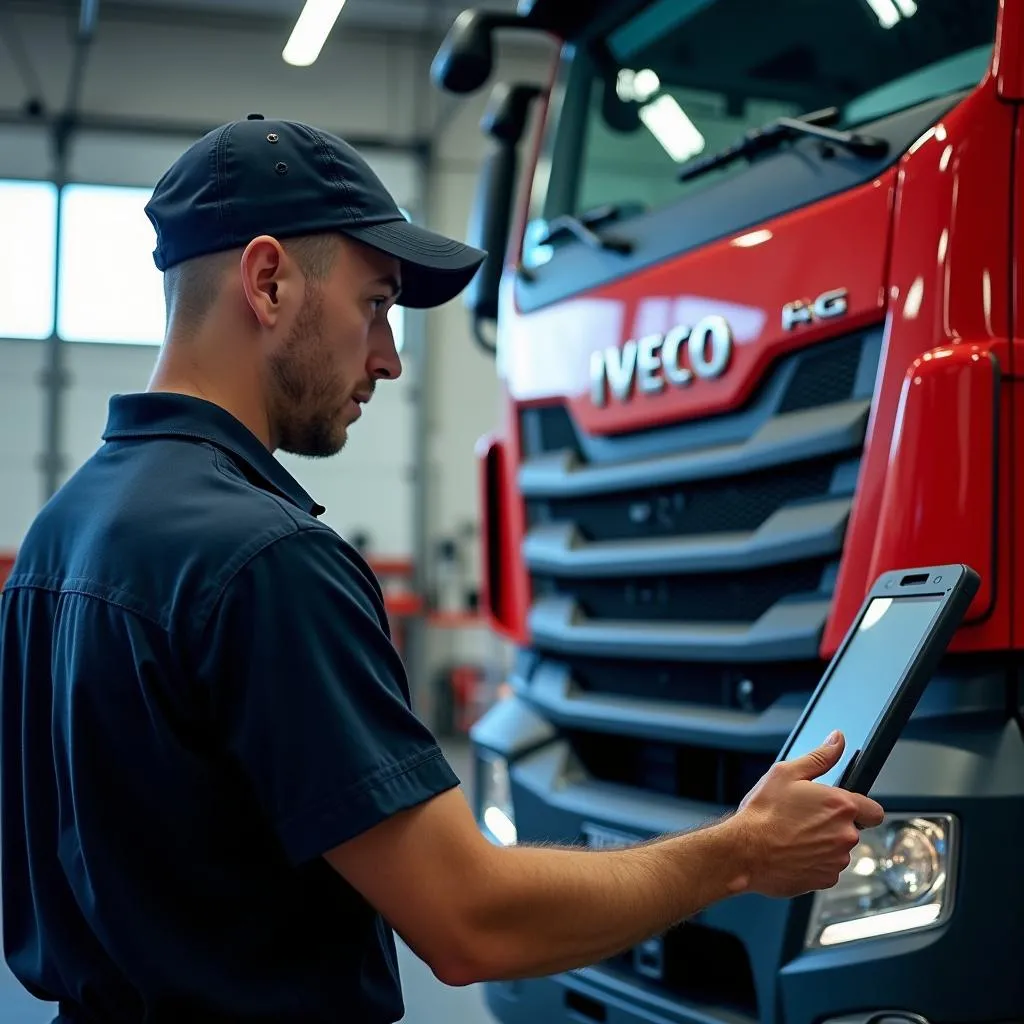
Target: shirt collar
163,414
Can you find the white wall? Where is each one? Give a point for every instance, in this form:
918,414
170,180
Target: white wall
363,85
461,377
21,437
459,369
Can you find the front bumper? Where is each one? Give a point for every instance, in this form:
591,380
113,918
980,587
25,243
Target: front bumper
744,961
592,997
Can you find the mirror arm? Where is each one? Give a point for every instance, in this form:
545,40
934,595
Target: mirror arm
480,336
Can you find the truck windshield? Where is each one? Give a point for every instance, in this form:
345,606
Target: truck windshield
659,83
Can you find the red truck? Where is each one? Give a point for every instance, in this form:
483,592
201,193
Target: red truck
758,323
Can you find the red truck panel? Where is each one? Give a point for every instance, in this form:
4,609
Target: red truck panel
948,290
6,564
505,584
747,279
950,430
1016,388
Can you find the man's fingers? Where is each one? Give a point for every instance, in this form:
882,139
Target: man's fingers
868,813
821,759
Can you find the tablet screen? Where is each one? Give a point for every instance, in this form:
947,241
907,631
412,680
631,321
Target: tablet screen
866,675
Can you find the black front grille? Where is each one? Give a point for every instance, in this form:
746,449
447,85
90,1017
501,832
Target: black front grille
823,376
708,506
707,597
749,688
715,521
719,777
704,965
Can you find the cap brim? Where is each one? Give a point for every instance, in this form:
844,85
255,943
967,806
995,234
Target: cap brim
435,268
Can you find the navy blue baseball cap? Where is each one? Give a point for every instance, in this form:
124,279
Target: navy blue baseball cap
284,178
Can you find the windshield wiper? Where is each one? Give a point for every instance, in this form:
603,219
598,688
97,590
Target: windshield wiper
582,229
775,132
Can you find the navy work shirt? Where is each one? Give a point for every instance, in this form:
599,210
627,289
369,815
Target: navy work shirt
199,698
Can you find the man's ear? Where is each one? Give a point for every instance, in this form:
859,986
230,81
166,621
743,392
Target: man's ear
268,279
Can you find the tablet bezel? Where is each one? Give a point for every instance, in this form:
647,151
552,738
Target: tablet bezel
956,586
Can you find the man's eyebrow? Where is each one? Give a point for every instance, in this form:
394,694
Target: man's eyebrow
391,282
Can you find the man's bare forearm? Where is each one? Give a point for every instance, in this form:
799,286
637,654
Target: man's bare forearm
548,910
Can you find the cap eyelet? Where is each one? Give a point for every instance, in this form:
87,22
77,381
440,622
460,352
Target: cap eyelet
281,168
272,137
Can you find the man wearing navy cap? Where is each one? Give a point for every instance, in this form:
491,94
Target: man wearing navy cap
216,801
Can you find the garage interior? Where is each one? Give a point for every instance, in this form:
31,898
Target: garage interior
756,343
96,101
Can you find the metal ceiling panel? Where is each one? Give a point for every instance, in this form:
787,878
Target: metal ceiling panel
402,15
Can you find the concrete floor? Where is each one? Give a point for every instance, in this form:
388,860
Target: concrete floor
427,1001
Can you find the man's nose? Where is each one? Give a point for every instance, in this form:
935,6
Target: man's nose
384,362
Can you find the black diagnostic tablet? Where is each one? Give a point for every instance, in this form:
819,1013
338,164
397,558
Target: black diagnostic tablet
874,681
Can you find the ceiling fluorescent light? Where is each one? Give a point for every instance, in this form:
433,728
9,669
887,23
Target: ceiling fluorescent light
908,8
311,31
668,123
886,12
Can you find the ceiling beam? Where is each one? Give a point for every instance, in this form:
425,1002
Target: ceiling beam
11,38
170,13
186,130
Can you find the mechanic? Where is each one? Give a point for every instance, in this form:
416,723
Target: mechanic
216,800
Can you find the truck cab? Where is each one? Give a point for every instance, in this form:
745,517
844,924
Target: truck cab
756,317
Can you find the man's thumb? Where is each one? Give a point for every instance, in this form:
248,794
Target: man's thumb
821,759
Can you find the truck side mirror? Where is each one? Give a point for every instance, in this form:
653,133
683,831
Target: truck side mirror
465,59
504,122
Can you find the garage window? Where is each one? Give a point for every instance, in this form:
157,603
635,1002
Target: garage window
28,220
110,289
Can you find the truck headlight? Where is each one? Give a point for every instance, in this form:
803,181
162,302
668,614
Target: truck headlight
899,880
496,813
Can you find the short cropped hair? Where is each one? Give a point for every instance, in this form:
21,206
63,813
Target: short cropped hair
191,288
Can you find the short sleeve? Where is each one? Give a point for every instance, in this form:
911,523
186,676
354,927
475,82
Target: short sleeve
310,698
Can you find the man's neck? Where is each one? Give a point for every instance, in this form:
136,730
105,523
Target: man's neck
181,369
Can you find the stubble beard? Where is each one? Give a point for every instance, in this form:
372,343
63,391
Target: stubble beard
308,404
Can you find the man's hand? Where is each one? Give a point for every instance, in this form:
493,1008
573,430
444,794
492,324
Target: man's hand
801,833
